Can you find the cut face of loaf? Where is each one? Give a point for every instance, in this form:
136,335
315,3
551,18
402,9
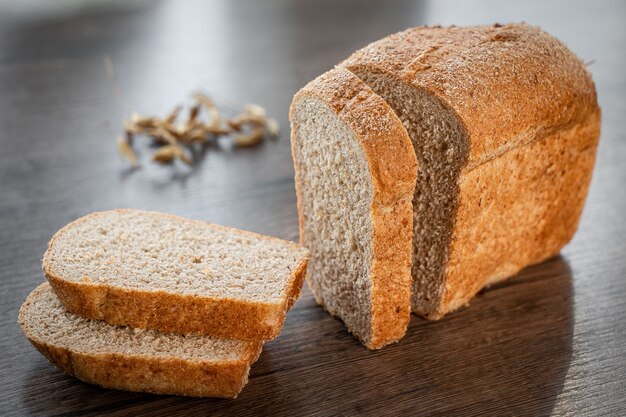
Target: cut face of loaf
121,357
505,124
163,272
355,174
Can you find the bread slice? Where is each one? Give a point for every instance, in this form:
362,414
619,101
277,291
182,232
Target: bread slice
122,357
505,124
163,272
355,174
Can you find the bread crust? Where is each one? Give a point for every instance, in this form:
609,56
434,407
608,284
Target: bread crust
505,82
145,373
518,94
498,232
172,312
393,168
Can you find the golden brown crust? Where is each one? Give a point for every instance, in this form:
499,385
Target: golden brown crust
391,269
511,217
295,288
171,312
144,373
393,168
528,108
504,81
154,375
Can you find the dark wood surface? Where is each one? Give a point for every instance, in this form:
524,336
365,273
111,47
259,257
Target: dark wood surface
550,341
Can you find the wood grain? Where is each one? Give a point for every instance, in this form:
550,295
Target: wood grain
550,341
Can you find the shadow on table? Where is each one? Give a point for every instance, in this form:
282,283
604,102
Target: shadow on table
506,354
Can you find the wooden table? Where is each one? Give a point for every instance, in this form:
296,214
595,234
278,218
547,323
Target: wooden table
551,341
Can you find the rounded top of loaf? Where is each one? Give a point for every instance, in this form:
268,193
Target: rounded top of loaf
506,83
384,140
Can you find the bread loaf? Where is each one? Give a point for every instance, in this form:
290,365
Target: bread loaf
505,124
355,175
163,272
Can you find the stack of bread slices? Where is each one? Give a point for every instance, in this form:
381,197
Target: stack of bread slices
151,302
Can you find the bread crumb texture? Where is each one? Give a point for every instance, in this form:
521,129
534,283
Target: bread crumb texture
44,318
152,251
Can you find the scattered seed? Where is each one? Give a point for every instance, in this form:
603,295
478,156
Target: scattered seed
193,113
249,139
173,136
164,155
171,118
272,127
142,122
126,151
247,119
254,110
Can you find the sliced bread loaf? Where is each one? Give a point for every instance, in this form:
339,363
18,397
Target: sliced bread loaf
505,124
163,272
355,175
121,357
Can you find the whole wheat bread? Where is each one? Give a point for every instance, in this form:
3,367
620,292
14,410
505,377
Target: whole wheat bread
122,357
163,272
505,124
355,175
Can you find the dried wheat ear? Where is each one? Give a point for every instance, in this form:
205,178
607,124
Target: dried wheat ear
203,124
